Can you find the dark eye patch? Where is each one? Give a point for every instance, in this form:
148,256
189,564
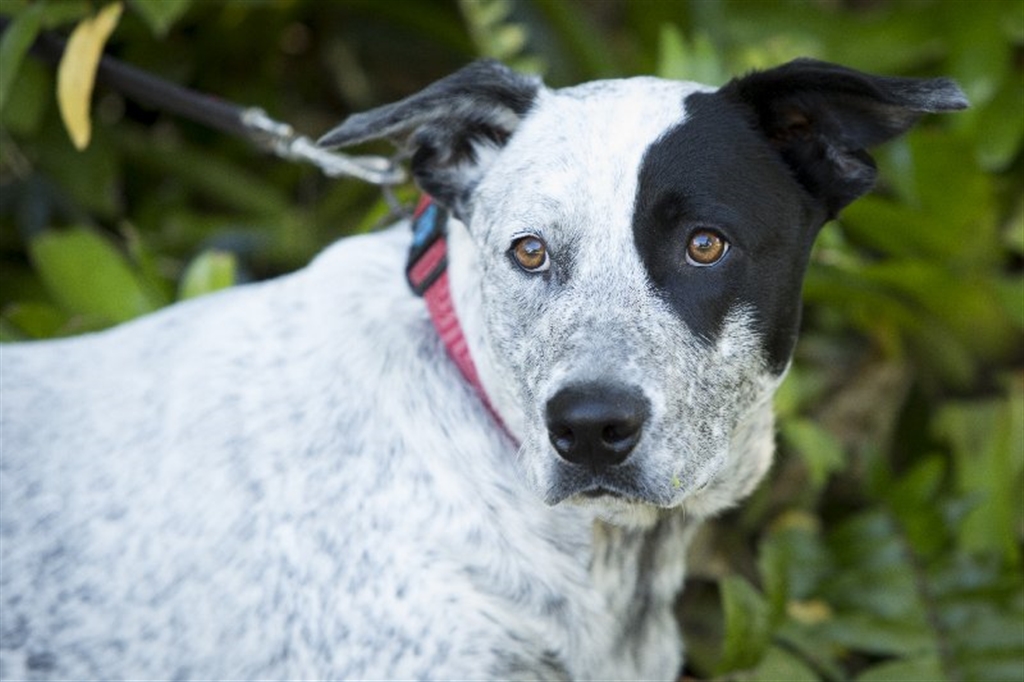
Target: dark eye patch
715,171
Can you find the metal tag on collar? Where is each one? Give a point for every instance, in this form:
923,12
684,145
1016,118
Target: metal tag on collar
428,252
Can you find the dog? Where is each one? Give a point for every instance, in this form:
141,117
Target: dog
483,460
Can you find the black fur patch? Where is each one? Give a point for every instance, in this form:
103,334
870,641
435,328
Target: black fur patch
765,161
714,171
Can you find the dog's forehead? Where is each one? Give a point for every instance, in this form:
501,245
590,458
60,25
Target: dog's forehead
584,145
606,124
636,109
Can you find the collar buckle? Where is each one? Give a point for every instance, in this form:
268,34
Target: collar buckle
428,253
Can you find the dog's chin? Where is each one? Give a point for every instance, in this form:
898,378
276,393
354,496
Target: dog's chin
618,498
615,508
628,494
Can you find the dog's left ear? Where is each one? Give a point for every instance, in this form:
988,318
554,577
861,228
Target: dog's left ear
452,127
822,117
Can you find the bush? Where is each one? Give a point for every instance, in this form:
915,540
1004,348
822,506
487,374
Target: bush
887,543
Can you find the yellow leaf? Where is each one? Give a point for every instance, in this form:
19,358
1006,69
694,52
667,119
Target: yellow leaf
811,612
77,71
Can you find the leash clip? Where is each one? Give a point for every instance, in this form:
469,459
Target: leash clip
282,140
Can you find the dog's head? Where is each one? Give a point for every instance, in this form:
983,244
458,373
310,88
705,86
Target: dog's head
638,248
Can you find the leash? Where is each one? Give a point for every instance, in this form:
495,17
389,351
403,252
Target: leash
427,274
252,123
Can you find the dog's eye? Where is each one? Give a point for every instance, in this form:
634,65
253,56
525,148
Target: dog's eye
531,253
705,248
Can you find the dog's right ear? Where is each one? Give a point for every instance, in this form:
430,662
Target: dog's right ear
452,127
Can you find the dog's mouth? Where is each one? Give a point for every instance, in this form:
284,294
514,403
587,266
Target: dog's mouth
615,486
616,507
601,491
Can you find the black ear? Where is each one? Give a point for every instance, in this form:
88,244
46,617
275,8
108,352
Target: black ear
449,126
822,117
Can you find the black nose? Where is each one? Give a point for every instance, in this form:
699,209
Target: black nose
596,424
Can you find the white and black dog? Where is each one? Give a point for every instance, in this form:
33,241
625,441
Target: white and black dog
325,476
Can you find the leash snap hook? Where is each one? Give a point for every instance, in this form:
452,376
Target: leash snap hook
282,140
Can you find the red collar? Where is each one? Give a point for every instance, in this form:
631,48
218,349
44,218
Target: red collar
427,273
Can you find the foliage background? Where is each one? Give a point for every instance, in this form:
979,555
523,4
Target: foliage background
887,543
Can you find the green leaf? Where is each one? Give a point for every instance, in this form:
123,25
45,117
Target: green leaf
925,668
1013,233
818,449
806,641
747,630
989,456
977,53
952,317
979,607
492,33
778,665
36,320
866,633
1000,126
791,560
878,578
9,333
25,112
1010,294
209,272
86,275
160,15
57,14
951,616
583,40
92,177
216,176
680,60
929,221
14,44
913,500
146,266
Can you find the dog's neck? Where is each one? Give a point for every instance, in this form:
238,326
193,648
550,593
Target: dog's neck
428,272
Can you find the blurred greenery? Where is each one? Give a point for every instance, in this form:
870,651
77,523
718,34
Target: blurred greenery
887,542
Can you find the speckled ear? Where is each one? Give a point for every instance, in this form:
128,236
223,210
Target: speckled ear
450,127
822,117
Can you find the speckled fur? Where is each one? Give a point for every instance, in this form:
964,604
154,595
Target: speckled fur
291,480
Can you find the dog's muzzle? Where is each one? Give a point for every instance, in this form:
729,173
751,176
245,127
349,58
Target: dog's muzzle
596,425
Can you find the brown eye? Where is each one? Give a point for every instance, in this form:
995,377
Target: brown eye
531,253
705,248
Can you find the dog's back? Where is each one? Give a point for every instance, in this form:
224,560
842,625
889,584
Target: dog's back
142,511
